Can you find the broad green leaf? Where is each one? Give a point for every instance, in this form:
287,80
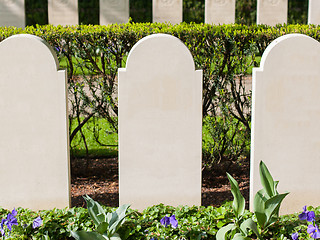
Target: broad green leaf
222,233
238,201
83,235
250,224
103,227
121,214
259,207
112,218
267,180
115,236
96,212
239,236
272,206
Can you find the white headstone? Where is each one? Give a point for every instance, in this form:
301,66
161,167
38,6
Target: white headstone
160,102
114,11
63,12
220,11
12,13
34,151
167,11
314,12
272,12
285,120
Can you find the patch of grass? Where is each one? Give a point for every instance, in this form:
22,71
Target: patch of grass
95,128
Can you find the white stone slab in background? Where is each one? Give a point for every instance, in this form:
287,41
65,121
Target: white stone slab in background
12,13
314,12
272,12
160,123
220,11
167,11
285,120
34,150
114,11
63,12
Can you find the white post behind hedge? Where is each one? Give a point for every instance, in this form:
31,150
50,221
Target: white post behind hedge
170,11
34,149
272,12
160,123
314,12
220,11
12,13
285,120
114,11
63,12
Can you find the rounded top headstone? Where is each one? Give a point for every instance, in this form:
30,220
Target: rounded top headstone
281,49
30,46
160,50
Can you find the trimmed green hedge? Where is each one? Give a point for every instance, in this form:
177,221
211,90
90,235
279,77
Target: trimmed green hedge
227,53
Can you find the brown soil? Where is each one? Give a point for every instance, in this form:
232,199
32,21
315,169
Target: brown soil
99,179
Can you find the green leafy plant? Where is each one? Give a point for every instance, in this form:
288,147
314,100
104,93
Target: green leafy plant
266,207
107,224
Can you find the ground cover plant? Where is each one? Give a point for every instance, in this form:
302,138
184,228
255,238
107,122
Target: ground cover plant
191,223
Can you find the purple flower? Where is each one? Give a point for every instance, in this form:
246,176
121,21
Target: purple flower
306,215
166,221
313,231
14,212
173,221
295,236
2,227
11,220
37,222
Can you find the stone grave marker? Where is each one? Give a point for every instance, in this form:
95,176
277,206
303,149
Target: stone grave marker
220,11
12,13
34,149
160,118
63,12
272,12
314,12
167,11
114,11
285,120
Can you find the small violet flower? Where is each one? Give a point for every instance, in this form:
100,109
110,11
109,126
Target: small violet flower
173,221
307,215
295,236
37,222
313,230
9,222
166,221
